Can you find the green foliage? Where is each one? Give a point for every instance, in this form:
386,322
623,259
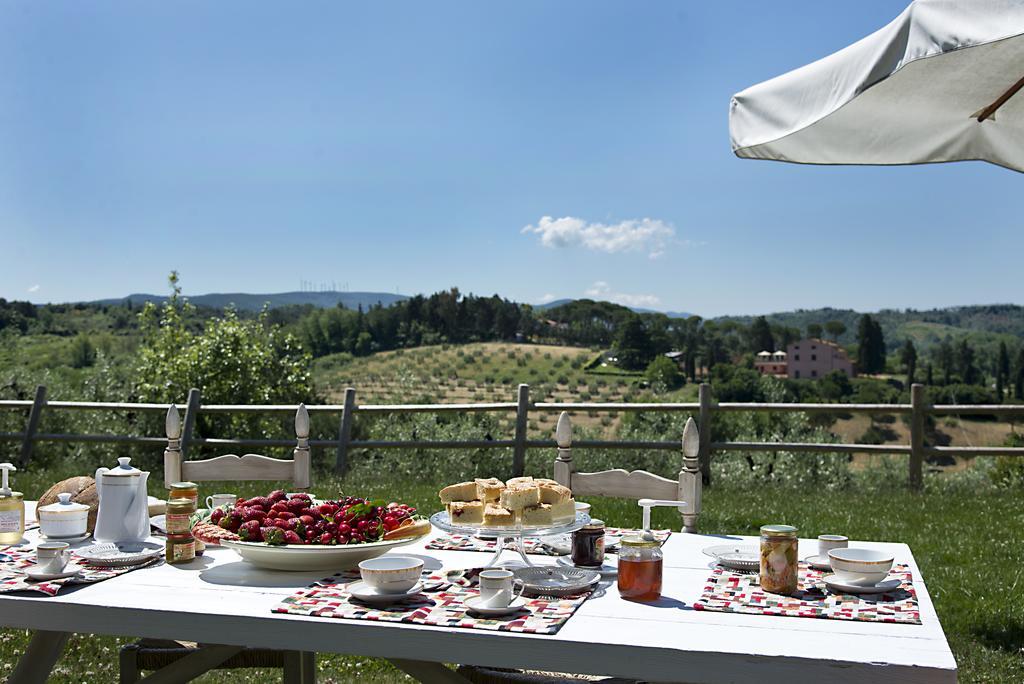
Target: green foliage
633,344
734,383
663,375
870,345
83,353
761,338
1008,471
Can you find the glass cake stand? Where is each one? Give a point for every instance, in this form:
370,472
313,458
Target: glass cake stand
507,535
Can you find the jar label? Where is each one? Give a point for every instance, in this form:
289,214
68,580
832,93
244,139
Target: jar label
10,521
177,523
183,552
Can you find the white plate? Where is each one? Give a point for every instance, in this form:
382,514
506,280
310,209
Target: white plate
159,522
556,581
609,568
119,554
836,584
70,570
295,557
474,606
736,556
818,562
74,539
367,594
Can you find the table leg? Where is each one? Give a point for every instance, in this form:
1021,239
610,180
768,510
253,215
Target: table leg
428,673
38,660
299,667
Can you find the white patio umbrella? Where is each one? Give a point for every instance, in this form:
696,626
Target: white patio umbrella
935,85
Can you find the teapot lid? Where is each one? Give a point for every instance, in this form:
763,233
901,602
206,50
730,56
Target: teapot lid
64,505
123,469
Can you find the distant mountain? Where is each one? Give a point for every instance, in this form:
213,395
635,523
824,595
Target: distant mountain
244,301
559,302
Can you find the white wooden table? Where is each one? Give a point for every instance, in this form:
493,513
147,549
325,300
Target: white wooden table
220,599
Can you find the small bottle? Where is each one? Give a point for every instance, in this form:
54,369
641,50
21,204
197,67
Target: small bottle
181,548
588,545
12,509
178,516
640,568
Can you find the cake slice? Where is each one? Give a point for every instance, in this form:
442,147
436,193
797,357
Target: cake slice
544,481
554,493
518,480
466,512
489,489
565,510
537,516
463,491
519,496
496,516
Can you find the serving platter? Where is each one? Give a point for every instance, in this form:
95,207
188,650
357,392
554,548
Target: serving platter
295,558
442,521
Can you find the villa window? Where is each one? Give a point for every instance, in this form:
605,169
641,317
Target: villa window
814,357
796,357
814,373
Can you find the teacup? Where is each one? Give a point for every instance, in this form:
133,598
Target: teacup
51,557
827,542
582,507
864,567
218,500
497,588
391,574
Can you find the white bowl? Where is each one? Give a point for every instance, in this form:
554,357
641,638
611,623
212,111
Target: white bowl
391,574
864,567
299,557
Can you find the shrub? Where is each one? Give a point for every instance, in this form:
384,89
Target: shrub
664,375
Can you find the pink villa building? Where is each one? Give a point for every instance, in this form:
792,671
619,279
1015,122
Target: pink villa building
814,358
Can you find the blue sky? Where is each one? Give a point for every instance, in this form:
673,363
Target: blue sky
406,146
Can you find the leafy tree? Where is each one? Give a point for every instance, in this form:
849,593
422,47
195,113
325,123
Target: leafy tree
835,329
83,353
946,359
835,386
929,380
965,362
633,344
664,374
908,357
870,345
1018,381
1002,369
761,338
814,330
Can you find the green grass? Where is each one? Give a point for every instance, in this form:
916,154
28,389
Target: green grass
966,542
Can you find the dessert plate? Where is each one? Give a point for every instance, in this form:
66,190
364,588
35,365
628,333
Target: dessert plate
367,594
556,581
74,539
476,606
819,562
836,584
736,556
34,573
609,568
120,554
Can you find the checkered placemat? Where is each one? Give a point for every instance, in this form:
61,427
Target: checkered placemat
732,592
534,546
442,603
13,579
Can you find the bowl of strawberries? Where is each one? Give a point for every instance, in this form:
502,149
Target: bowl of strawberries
296,532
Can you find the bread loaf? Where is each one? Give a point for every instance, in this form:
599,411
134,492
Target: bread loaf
82,490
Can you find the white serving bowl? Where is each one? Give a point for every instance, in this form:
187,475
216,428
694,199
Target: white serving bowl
391,574
65,518
860,566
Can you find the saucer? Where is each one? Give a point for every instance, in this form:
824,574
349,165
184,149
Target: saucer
819,562
607,569
836,584
367,594
70,570
74,539
474,605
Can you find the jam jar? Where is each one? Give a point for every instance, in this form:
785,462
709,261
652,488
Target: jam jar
178,516
779,559
185,490
588,545
640,568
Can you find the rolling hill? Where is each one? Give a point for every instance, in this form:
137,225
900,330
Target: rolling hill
245,301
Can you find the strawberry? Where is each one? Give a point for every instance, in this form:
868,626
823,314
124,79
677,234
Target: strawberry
307,511
231,521
260,502
301,495
216,515
280,524
327,509
279,507
307,520
272,535
250,531
291,537
296,505
285,515
276,495
252,513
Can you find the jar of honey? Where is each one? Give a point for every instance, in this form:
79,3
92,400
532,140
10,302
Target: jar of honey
779,559
178,517
185,490
180,548
640,568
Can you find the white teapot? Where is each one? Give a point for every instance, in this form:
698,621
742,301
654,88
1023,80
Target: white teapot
123,514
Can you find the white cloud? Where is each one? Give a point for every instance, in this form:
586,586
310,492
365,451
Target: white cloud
34,288
634,235
601,290
547,297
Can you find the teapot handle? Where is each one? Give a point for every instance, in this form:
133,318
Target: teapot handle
99,480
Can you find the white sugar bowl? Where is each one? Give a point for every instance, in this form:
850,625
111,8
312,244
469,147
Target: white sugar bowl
65,518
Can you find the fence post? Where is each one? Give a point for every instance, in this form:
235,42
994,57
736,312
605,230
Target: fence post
519,452
345,431
704,432
918,408
191,409
33,425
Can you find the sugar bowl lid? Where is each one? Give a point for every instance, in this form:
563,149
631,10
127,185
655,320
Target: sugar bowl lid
64,504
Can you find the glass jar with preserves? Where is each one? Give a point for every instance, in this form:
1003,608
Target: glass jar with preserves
640,568
180,548
588,544
178,516
779,559
185,490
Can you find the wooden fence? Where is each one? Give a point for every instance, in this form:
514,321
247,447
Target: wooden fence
705,409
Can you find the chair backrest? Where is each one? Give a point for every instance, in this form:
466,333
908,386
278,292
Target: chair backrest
232,467
638,484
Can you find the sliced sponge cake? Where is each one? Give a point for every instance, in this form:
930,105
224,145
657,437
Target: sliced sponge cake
466,512
489,489
496,516
518,496
463,491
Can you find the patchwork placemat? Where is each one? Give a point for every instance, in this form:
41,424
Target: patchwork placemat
17,558
442,603
534,546
728,591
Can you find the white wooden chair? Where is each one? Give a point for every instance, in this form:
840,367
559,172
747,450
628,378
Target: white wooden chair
638,484
181,661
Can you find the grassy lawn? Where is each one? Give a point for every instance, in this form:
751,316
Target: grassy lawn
966,542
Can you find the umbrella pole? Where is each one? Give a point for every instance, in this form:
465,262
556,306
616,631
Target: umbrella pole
1000,101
